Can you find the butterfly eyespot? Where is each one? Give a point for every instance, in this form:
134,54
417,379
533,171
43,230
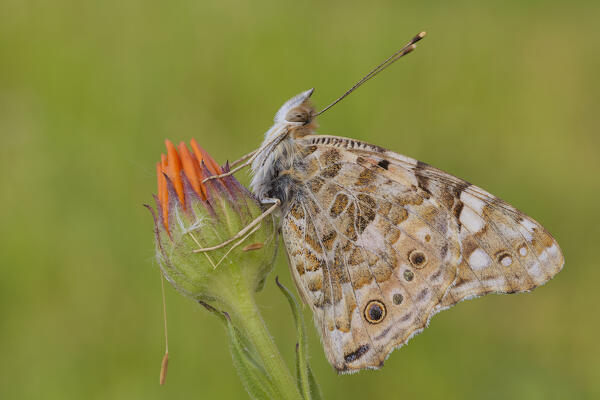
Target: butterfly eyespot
375,312
505,259
523,250
408,275
417,258
398,299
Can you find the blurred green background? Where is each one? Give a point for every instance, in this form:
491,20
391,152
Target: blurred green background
502,93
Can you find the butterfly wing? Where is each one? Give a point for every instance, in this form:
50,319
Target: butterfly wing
371,253
504,250
378,243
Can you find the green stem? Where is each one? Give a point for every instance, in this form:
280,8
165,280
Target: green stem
246,316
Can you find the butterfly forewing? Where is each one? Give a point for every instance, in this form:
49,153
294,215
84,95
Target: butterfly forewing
503,249
378,243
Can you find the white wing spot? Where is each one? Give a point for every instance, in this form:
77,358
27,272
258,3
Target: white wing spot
479,259
527,235
494,282
523,251
528,224
473,222
553,250
549,252
467,286
506,261
473,202
543,257
534,269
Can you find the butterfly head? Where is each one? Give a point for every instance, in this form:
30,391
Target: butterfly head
298,114
295,119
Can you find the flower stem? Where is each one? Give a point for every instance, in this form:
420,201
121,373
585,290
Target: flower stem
246,316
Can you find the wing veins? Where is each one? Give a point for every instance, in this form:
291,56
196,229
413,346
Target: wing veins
479,241
439,296
349,278
410,164
347,238
332,300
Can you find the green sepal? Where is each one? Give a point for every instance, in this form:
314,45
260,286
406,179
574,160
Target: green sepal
209,223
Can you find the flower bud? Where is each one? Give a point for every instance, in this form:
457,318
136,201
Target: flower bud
193,215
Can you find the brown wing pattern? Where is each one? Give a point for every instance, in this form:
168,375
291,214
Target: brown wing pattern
378,243
373,256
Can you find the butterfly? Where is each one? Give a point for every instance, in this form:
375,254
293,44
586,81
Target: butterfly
378,242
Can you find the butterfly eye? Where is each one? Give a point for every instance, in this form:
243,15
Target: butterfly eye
375,312
297,115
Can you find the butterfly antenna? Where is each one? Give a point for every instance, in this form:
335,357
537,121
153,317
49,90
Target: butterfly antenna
165,361
410,46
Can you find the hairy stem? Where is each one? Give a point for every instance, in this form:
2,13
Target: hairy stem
246,316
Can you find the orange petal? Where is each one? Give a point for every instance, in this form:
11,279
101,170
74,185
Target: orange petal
202,155
175,170
200,173
190,169
159,181
163,193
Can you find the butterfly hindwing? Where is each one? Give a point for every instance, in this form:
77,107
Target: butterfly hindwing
371,253
378,243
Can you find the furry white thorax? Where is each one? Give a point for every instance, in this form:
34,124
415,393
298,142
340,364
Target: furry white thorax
276,153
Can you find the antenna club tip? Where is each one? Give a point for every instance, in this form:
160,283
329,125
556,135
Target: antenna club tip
163,369
418,37
409,48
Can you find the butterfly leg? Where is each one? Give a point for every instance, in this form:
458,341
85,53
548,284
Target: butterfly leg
236,245
249,158
243,158
233,171
276,203
244,161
